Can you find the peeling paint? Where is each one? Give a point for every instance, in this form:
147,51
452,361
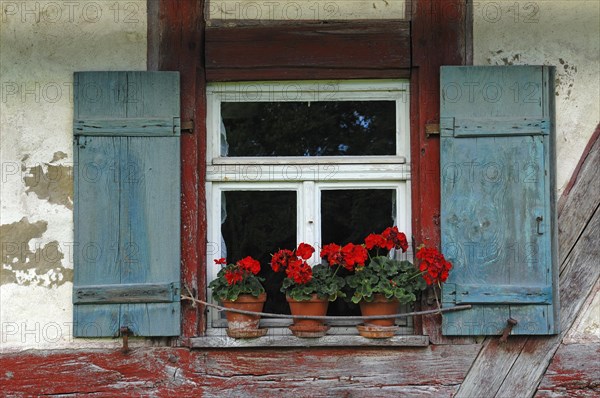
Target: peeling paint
26,266
51,182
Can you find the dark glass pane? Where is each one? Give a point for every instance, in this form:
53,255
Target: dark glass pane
349,216
259,223
321,128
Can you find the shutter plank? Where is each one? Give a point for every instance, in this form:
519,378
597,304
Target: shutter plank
497,223
98,229
153,163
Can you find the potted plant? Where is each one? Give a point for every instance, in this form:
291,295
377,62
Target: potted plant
380,286
308,289
238,286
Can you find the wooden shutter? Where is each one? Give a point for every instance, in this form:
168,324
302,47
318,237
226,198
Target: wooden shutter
497,211
127,212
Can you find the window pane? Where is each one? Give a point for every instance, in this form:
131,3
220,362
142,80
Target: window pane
349,216
257,224
320,128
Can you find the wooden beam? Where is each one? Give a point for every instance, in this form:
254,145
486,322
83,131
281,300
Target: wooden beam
176,43
439,37
517,367
308,51
575,207
302,372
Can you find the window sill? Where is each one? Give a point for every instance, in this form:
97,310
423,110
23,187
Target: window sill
325,341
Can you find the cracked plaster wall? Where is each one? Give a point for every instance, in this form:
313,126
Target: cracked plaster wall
41,44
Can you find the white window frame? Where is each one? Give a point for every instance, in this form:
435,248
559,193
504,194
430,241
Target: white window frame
308,176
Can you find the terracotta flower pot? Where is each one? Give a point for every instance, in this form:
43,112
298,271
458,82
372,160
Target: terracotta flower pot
309,327
378,328
242,325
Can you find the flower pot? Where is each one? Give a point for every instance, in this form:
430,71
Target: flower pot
241,325
379,328
309,327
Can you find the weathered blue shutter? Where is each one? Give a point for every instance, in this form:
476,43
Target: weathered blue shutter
497,214
127,185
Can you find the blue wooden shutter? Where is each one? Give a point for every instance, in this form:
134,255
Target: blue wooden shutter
497,214
127,212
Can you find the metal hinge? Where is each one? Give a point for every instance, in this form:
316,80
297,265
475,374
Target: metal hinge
187,126
432,129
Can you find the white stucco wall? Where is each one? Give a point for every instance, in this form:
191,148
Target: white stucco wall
41,44
564,33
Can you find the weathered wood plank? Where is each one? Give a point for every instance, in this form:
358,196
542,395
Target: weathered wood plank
574,371
308,51
362,372
176,42
97,181
580,198
127,293
499,294
128,127
493,126
431,29
326,341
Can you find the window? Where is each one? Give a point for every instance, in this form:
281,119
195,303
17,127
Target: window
291,162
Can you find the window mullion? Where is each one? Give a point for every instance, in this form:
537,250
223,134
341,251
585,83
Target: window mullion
307,224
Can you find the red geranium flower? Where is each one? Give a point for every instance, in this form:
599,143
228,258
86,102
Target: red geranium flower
249,264
233,277
349,256
396,238
389,239
299,271
305,251
434,265
280,259
294,263
375,240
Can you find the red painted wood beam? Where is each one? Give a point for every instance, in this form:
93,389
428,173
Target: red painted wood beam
168,372
439,37
176,43
301,51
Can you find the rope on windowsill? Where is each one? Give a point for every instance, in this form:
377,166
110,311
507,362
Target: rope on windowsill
321,317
